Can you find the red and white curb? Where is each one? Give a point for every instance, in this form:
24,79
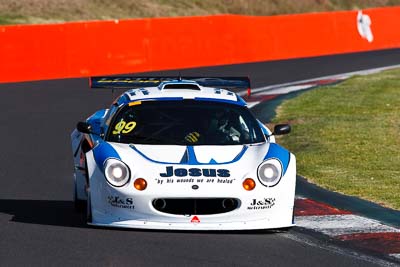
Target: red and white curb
264,93
342,225
339,224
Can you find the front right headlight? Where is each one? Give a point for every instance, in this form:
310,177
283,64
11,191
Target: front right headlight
270,172
116,172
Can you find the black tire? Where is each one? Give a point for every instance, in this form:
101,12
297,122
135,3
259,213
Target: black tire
284,229
88,210
79,204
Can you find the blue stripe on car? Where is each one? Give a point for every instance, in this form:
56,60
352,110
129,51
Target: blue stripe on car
264,130
241,101
221,100
156,99
279,153
185,158
189,158
240,155
95,121
192,160
102,152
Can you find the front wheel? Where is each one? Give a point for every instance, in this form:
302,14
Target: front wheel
79,204
88,209
284,229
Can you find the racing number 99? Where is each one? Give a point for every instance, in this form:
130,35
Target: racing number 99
123,127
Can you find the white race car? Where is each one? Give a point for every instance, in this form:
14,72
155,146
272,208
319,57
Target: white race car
182,154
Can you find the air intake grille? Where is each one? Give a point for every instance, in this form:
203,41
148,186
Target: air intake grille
186,86
195,206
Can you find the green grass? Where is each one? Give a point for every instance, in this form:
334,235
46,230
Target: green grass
6,19
45,11
346,137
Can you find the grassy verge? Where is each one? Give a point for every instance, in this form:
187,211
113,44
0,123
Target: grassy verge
42,11
347,137
6,19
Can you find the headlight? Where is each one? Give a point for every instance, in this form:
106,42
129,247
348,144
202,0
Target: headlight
116,172
270,172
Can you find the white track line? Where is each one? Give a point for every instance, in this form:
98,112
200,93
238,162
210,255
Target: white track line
252,104
334,225
336,76
397,256
279,91
286,89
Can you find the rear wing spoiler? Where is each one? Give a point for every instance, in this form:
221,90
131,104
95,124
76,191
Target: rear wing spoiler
127,82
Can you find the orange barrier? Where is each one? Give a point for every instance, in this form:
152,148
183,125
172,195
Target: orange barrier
32,52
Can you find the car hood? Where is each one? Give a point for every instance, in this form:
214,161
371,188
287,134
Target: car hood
182,155
154,159
191,155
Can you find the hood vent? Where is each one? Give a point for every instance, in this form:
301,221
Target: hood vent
181,86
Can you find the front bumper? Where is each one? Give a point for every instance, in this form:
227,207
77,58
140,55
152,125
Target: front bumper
126,207
266,223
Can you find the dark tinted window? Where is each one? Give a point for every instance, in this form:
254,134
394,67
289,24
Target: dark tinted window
185,122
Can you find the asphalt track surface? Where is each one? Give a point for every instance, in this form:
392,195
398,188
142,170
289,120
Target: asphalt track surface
38,225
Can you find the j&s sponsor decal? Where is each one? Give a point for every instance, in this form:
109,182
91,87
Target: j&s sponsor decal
123,203
194,175
260,204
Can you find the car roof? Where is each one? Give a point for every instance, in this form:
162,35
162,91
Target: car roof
180,90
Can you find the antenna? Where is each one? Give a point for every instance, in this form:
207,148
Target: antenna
180,77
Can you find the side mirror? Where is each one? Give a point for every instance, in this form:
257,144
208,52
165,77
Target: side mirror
281,129
84,127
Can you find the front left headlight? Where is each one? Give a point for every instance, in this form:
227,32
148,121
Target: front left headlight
117,173
270,172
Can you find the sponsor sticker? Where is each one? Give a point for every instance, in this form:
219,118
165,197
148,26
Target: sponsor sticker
123,127
123,203
261,204
194,175
195,219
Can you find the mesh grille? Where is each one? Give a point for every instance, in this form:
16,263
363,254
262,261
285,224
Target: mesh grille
195,206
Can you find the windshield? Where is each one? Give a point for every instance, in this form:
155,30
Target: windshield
185,122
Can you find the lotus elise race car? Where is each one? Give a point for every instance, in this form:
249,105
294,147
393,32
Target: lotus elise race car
182,154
